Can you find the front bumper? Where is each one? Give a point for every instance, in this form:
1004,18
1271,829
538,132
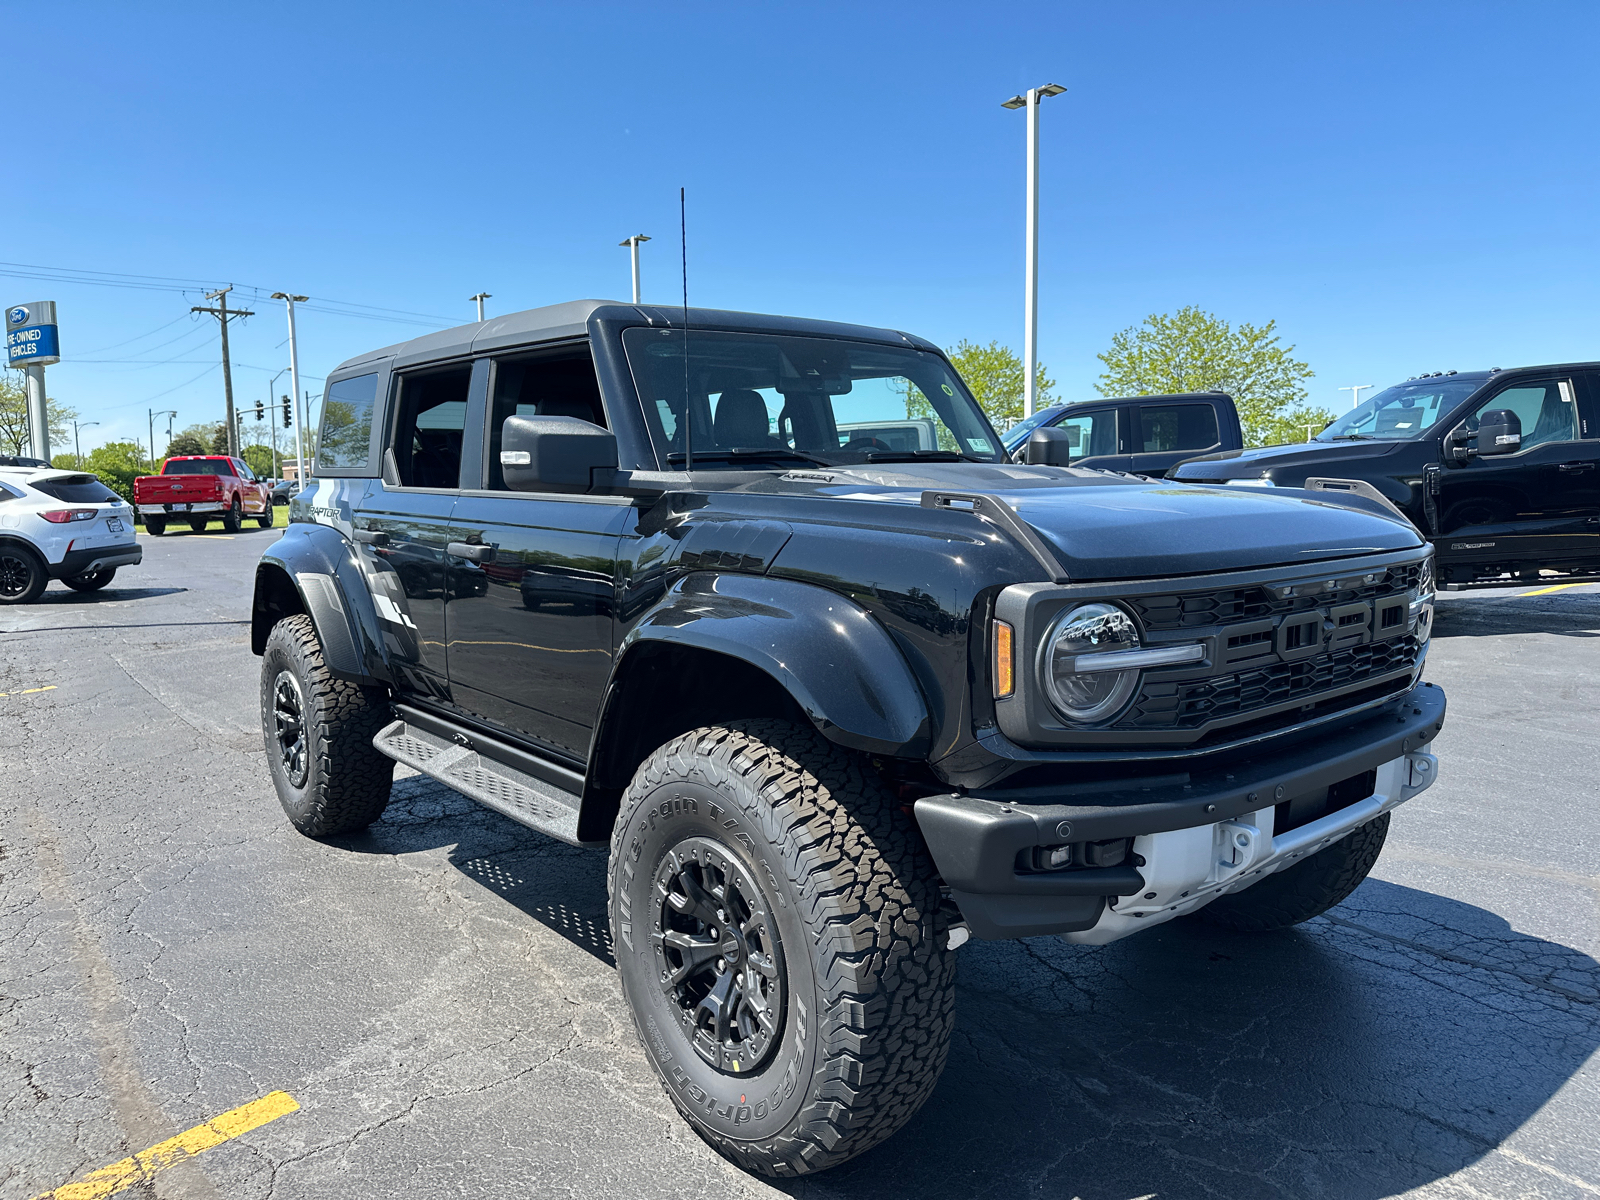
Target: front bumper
97,558
1183,825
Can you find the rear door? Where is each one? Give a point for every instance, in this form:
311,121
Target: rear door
532,589
1536,506
1166,434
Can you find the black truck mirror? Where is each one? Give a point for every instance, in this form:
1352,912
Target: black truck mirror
1050,447
1499,432
554,454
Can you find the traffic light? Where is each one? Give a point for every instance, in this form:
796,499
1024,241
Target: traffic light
287,421
260,412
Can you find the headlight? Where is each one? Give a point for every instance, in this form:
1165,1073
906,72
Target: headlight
1088,630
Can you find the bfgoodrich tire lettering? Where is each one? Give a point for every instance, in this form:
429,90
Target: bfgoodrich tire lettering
1304,890
318,731
851,906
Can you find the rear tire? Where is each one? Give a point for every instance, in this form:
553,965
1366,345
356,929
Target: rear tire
1305,890
90,581
318,731
155,526
265,519
834,966
22,574
198,524
233,519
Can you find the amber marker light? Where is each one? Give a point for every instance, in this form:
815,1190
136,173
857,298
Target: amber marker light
1005,680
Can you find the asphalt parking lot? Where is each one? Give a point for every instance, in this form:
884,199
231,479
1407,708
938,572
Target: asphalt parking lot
437,994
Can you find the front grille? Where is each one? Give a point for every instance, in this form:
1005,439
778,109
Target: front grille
1192,704
1224,606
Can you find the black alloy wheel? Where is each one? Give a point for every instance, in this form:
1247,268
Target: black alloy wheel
22,575
289,727
90,581
719,955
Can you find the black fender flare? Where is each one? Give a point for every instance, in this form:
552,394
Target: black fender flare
827,652
319,563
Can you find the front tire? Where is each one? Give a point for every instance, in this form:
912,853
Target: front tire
318,731
22,575
265,519
1305,890
90,581
780,940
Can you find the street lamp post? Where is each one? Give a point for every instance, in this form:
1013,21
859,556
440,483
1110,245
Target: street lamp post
294,381
1355,391
165,412
480,298
1030,337
633,245
77,447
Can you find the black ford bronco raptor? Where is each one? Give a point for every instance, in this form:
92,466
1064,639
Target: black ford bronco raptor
761,604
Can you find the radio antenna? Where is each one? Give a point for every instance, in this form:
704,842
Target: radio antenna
688,407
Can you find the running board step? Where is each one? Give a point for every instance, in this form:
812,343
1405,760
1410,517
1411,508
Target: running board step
506,790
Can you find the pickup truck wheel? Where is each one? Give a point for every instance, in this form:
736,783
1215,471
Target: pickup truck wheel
1304,890
233,518
781,942
318,731
22,575
91,581
155,526
198,524
265,519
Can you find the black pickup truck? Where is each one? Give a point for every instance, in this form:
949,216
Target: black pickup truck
762,605
1497,508
1145,435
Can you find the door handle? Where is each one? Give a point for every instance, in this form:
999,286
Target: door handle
372,537
470,551
1574,467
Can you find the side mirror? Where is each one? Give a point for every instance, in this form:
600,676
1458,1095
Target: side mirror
554,454
1050,447
1499,432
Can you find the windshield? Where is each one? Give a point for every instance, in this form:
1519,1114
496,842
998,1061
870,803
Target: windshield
1402,412
1019,432
765,398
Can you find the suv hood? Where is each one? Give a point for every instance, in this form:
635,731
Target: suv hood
1253,464
1105,525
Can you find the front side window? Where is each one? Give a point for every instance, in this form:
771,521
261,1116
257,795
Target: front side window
559,384
345,440
1400,413
1020,432
1546,410
1090,434
430,419
1178,427
760,398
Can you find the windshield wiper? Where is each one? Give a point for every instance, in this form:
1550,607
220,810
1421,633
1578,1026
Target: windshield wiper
891,456
749,456
1350,437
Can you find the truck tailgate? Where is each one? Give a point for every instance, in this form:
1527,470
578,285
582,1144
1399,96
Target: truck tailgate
177,489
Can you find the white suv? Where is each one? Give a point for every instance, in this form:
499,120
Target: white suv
64,525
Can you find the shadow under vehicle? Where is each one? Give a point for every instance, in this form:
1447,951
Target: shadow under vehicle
1500,470
836,706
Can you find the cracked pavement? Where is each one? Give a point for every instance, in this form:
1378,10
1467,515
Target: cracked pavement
438,994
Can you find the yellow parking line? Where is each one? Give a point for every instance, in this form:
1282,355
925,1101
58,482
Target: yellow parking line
107,1181
49,687
1560,587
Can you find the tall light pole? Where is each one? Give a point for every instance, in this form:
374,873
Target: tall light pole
480,298
1030,337
294,382
633,244
154,413
1355,391
77,448
273,425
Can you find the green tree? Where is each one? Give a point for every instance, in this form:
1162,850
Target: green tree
1195,351
187,443
117,464
14,418
219,439
994,376
259,459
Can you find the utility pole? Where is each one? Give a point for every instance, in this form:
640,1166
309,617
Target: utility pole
480,298
1030,335
1355,391
300,471
633,244
222,312
77,447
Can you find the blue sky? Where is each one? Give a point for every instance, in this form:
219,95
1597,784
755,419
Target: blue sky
1404,187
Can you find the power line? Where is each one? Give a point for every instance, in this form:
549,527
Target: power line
141,337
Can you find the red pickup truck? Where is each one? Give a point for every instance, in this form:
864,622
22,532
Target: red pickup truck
199,487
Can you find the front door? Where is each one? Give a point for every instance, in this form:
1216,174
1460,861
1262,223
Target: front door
1529,507
531,591
1094,439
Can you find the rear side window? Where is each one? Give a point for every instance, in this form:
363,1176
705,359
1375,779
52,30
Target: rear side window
1178,427
197,466
345,440
428,432
77,489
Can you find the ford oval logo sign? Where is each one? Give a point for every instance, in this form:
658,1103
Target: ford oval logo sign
17,315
